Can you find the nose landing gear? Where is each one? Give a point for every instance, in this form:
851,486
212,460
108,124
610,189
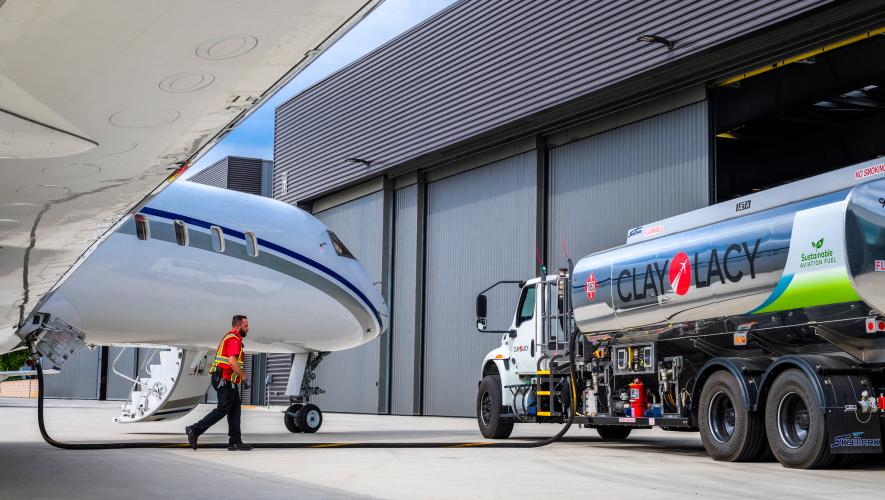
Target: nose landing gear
301,415
303,418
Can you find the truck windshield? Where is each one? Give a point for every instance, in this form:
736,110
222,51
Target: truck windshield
526,305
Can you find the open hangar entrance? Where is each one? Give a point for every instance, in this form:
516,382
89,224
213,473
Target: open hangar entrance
808,115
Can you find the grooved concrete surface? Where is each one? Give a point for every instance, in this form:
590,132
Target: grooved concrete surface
650,463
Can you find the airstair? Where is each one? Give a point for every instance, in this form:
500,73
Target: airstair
175,383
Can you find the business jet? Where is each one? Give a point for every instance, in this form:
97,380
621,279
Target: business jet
99,245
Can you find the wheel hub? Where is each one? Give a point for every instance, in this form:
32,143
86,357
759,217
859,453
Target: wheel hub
313,418
721,417
793,420
485,411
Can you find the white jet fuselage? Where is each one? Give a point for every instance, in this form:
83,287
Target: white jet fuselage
301,292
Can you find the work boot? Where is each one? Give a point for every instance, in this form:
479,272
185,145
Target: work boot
239,447
191,436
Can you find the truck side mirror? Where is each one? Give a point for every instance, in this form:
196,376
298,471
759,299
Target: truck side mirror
481,309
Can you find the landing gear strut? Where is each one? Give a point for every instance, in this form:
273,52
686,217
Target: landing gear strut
301,415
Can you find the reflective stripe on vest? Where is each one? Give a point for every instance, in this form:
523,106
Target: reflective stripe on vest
222,361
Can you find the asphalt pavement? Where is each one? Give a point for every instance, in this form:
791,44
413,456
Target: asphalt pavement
649,464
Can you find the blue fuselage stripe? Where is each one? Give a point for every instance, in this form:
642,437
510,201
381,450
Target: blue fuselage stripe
270,246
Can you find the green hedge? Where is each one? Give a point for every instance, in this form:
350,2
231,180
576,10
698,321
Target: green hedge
13,360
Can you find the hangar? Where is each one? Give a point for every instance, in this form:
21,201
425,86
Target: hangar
497,137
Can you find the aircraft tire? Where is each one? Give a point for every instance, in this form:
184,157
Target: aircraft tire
290,418
310,418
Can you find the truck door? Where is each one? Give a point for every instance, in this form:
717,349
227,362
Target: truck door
523,345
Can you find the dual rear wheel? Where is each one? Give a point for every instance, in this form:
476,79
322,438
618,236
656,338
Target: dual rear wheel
792,427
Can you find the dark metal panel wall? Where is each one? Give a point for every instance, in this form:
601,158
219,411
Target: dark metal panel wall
480,229
278,366
605,185
351,377
244,174
213,175
403,307
118,387
481,65
78,378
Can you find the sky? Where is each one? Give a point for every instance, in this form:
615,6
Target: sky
254,136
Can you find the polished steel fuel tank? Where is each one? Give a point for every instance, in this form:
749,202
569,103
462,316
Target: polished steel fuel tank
815,242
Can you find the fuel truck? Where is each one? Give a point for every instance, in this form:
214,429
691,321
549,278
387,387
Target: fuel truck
759,322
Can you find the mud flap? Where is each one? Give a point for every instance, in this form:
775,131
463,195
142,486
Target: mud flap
851,432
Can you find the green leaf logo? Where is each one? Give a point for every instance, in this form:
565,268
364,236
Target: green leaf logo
818,244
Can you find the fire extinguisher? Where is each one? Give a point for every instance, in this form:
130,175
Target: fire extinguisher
637,398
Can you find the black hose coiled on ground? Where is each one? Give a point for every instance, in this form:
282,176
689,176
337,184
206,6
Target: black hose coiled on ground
364,445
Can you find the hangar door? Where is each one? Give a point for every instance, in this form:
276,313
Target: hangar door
605,185
402,372
480,229
350,377
78,378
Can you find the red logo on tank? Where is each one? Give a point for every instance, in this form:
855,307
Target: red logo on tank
680,273
590,287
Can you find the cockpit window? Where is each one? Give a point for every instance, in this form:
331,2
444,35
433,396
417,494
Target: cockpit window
340,249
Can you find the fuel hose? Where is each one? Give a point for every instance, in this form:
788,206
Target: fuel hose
314,445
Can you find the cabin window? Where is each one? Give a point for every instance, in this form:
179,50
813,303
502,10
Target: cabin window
217,238
251,244
142,227
526,305
340,249
181,236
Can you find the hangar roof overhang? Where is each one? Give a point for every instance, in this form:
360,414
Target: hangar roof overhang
340,118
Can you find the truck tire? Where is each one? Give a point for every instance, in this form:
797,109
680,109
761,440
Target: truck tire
795,424
488,409
729,431
613,432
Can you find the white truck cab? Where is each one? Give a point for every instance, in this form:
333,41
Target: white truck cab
528,346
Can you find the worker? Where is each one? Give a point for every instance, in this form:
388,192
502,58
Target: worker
227,375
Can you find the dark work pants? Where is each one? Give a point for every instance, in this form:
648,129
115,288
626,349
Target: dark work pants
228,405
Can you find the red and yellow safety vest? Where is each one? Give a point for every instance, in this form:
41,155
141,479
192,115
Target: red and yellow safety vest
221,362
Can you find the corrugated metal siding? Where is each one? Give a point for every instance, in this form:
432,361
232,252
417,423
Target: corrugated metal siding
605,185
350,377
78,378
278,366
484,64
246,394
244,174
213,175
118,387
480,229
403,338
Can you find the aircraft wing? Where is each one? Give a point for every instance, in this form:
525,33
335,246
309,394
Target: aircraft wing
101,99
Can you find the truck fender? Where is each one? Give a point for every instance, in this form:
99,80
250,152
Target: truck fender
832,377
497,362
745,370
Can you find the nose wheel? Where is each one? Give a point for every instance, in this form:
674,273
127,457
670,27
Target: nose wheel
303,418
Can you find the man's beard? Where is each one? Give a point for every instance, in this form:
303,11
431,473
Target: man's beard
243,332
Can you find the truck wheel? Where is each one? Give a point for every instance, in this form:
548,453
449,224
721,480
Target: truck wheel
795,424
613,432
290,417
729,431
488,409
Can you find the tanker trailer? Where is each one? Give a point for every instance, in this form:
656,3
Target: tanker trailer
757,322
